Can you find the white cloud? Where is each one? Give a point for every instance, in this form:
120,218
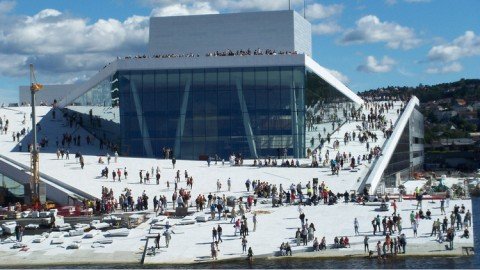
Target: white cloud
466,45
230,5
56,42
12,64
326,28
390,2
449,68
318,11
369,29
6,6
178,9
340,76
372,65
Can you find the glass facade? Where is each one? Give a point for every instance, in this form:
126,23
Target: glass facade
256,112
98,110
10,191
409,152
326,109
252,111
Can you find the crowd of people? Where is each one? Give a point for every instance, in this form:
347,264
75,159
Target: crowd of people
247,52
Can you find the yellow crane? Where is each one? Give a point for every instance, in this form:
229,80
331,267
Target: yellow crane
34,156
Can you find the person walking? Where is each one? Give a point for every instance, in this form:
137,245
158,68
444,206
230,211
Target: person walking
355,225
255,221
219,233
229,183
173,162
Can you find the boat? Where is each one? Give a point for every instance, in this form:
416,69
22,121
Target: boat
81,226
74,245
118,232
32,226
57,238
9,227
91,234
111,219
19,245
188,220
158,219
57,241
96,224
41,238
25,214
104,241
136,219
202,218
76,232
63,227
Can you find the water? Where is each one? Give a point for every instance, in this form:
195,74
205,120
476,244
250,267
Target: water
470,262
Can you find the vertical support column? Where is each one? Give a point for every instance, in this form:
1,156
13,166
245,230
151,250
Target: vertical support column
246,120
293,108
147,143
181,118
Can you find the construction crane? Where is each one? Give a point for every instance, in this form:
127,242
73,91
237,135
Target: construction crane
34,157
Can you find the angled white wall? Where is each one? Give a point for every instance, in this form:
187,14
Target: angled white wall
330,79
381,164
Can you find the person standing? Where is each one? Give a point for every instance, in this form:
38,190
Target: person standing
379,250
168,236
157,241
17,233
255,221
355,225
214,234
365,244
250,254
244,244
173,162
229,183
442,206
213,251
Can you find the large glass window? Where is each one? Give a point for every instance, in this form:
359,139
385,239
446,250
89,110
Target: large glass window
98,109
201,112
326,108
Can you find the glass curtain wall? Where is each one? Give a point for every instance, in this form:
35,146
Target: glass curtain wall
98,110
326,109
10,191
255,112
399,165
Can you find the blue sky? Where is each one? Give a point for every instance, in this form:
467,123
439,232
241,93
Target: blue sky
366,43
